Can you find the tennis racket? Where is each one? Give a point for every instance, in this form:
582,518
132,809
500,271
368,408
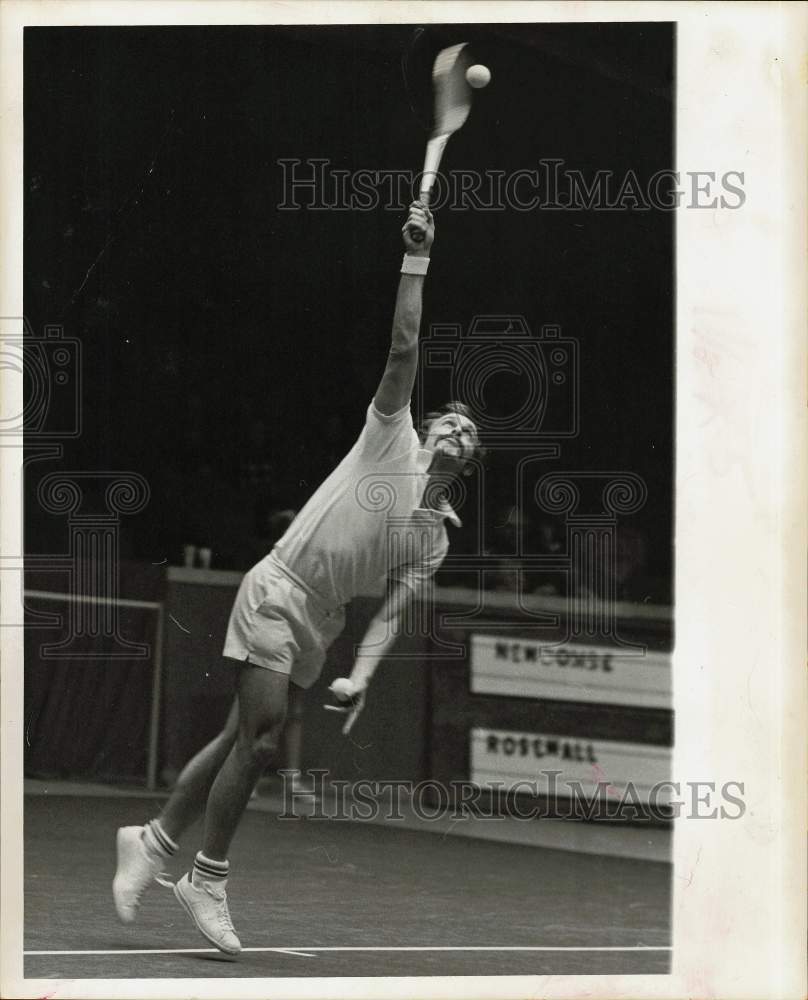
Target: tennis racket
452,103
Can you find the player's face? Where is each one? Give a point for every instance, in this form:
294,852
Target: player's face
452,437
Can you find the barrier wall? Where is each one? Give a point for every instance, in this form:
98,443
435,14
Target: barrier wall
485,693
390,741
437,706
525,701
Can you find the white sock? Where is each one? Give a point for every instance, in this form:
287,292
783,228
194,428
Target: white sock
208,870
157,840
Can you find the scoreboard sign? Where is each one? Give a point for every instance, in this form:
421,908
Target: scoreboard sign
503,759
525,668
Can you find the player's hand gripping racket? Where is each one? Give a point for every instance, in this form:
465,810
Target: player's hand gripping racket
452,103
347,700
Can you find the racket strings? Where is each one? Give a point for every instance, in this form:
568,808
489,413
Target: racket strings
452,91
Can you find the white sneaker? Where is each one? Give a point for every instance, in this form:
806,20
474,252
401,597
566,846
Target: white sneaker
137,867
206,905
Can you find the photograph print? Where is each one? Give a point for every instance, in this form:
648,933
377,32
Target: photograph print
348,359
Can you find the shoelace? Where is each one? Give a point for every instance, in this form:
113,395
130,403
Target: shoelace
164,878
223,914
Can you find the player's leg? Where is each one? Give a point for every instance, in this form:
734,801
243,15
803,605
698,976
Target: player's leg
190,794
142,851
293,734
262,702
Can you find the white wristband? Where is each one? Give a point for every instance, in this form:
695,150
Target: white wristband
414,265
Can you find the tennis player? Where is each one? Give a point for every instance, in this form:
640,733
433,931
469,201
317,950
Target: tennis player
290,608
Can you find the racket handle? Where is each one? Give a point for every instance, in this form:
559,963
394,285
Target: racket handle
353,715
423,196
351,712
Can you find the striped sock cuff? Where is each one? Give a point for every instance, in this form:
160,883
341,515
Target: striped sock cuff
209,870
158,840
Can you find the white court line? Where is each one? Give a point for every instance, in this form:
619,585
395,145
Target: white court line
309,952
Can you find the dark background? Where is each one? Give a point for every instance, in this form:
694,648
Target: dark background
230,350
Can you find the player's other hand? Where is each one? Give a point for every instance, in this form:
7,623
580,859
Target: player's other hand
349,698
420,223
347,693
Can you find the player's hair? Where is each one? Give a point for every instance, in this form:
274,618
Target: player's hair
454,406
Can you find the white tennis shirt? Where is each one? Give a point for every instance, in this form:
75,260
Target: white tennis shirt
365,522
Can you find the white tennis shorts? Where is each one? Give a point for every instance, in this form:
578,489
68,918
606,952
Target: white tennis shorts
279,624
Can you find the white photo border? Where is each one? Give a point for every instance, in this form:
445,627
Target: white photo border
739,680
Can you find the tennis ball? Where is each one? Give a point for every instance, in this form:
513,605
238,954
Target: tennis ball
343,688
478,76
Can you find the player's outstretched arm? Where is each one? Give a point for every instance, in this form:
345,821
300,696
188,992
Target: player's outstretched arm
379,639
395,388
381,633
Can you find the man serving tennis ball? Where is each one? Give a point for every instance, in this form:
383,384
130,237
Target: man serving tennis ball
290,608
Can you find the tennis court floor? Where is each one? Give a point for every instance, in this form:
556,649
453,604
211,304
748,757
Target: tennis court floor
336,898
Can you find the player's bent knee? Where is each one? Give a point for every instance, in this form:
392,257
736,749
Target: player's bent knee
259,749
266,745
